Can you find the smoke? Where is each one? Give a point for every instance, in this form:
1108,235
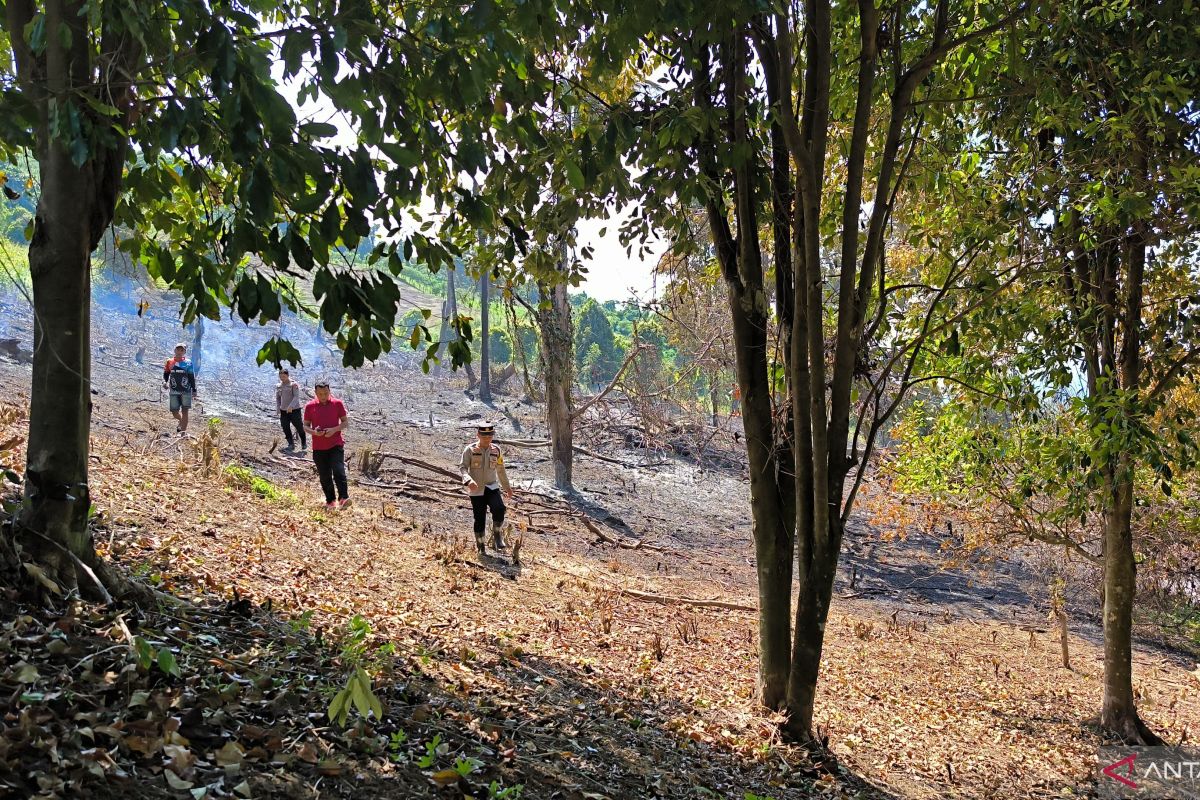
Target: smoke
135,327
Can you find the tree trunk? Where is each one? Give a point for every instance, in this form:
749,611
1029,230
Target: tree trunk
1064,638
714,401
554,325
1118,711
812,613
485,360
447,333
741,265
57,498
198,344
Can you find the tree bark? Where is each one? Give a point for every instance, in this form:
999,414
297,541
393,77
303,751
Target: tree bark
812,613
741,263
1118,710
485,360
76,206
57,498
447,333
554,325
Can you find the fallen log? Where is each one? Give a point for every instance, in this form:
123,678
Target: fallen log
408,490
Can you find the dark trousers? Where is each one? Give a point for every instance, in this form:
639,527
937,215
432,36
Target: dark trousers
491,498
292,419
331,467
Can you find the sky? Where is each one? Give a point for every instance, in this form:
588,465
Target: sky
613,274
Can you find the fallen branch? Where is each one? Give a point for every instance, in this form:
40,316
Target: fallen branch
78,563
619,541
579,412
416,462
578,449
415,492
686,601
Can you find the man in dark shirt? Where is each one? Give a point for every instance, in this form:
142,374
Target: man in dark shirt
179,379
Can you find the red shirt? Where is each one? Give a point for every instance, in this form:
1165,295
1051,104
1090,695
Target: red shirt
325,415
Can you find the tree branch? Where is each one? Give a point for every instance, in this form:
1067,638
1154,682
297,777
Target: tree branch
611,384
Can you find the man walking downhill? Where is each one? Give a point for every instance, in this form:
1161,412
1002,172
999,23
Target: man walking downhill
179,379
288,401
483,474
325,418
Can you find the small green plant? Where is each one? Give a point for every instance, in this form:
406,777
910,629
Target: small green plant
431,752
467,766
355,694
753,796
497,792
354,642
425,654
396,746
302,622
147,656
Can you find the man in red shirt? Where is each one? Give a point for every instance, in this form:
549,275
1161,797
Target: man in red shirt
325,418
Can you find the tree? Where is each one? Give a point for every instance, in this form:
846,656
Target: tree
720,130
695,315
501,345
168,120
448,332
553,316
756,161
595,329
1106,192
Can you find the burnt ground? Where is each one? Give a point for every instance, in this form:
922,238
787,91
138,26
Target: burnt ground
922,668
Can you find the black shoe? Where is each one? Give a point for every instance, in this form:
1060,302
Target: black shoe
479,544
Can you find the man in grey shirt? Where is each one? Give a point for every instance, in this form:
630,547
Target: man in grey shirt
482,468
289,401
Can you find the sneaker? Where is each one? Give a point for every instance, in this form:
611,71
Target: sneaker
345,501
331,505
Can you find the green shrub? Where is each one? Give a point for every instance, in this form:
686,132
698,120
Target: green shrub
246,479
